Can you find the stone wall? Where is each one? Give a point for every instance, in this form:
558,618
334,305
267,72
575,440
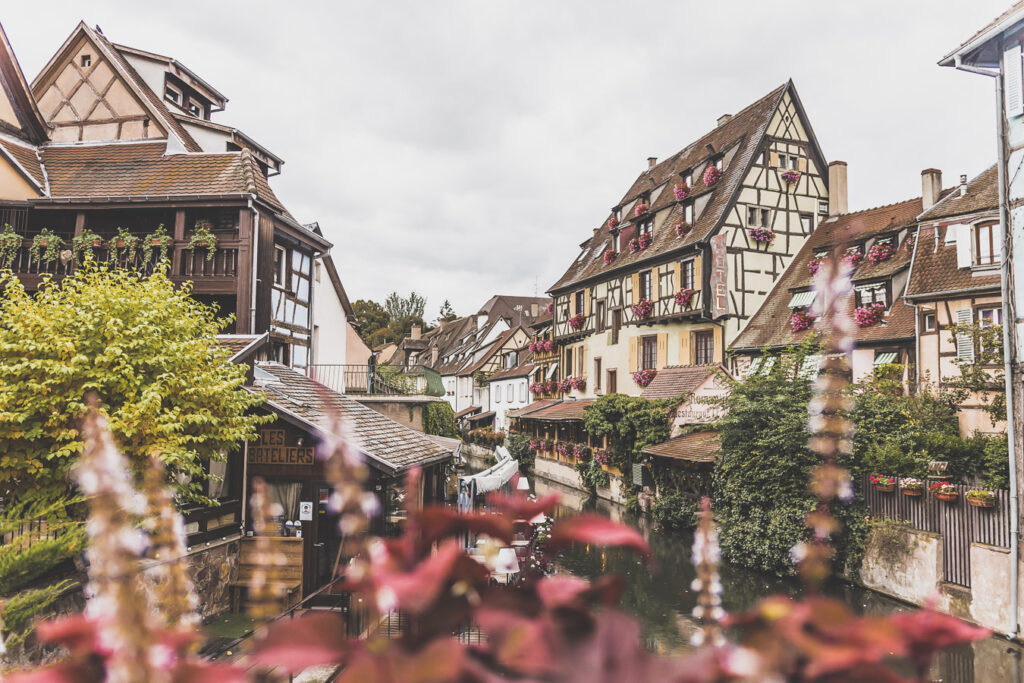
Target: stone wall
213,568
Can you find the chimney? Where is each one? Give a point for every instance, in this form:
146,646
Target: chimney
931,187
723,119
963,184
433,356
415,333
651,162
837,199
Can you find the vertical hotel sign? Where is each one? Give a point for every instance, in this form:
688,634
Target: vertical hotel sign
719,278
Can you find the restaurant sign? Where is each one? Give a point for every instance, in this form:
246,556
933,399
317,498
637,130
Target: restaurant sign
271,449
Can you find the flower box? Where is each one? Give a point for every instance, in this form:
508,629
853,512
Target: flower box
911,486
790,177
885,488
644,377
944,491
576,322
980,498
681,191
682,228
979,503
880,252
97,243
800,321
684,297
762,235
866,316
912,492
613,222
609,257
882,483
947,497
640,209
639,243
642,308
852,257
711,175
814,265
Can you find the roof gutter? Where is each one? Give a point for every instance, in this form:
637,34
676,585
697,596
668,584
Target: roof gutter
969,290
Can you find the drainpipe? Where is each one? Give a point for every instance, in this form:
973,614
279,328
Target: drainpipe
1008,349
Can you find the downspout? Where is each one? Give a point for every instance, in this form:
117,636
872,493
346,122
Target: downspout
1008,349
255,265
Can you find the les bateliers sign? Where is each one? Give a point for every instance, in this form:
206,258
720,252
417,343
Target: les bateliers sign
272,450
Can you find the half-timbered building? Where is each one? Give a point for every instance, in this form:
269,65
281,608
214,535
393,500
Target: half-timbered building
692,248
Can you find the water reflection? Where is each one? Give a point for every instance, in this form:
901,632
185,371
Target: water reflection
661,598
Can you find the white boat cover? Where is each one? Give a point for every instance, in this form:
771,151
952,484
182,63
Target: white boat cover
495,476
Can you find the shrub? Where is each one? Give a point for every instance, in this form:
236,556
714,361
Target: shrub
676,512
439,419
521,447
891,540
630,423
592,476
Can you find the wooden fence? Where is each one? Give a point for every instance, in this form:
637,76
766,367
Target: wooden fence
958,523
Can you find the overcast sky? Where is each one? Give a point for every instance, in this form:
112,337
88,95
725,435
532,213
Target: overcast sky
463,149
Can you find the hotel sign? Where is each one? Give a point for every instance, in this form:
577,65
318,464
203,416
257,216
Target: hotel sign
271,449
719,277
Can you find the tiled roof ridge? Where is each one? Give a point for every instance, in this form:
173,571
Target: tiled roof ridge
872,209
250,180
952,194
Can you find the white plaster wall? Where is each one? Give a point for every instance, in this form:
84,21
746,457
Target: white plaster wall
918,577
330,341
505,395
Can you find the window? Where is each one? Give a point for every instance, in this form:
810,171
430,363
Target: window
580,359
704,347
612,382
807,223
823,207
195,109
579,303
567,372
522,392
758,217
172,95
789,161
602,316
649,352
646,228
928,323
497,393
987,317
280,266
616,324
615,241
597,374
688,181
645,286
666,284
718,163
687,274
986,245
873,294
688,213
86,61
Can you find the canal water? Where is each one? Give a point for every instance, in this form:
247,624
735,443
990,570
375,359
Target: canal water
660,596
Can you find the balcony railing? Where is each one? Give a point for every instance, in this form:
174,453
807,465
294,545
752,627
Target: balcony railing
362,379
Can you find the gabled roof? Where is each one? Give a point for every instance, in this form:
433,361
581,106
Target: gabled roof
700,447
388,445
558,411
25,158
504,306
979,49
242,346
34,128
738,139
197,81
982,195
935,271
524,369
496,346
679,380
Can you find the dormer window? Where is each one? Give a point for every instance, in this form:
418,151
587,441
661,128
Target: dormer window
986,244
195,109
172,94
688,213
646,227
688,179
876,293
86,61
718,163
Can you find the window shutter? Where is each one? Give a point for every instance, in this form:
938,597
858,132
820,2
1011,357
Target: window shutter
677,274
717,352
635,278
662,350
773,159
586,303
655,285
963,245
1012,88
802,165
964,342
634,344
583,361
698,273
684,349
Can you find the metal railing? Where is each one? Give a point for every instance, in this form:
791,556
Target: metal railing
361,379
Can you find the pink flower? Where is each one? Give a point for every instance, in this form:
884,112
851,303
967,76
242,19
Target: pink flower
640,209
613,222
800,320
682,228
644,377
814,264
763,235
880,252
790,177
866,316
640,243
609,257
576,322
642,308
684,297
852,257
681,190
711,175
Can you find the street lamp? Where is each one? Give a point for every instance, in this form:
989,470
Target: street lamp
507,563
523,485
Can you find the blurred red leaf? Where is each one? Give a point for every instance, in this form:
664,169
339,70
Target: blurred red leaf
193,671
520,506
518,643
302,642
436,522
76,671
79,634
417,589
556,591
926,632
387,662
597,530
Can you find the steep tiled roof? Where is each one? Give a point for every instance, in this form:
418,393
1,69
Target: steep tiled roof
679,380
504,306
693,447
533,407
27,158
982,194
241,345
141,169
388,445
770,325
935,268
559,410
521,370
466,411
739,139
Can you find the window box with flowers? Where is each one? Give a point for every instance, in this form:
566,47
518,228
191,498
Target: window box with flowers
641,208
814,265
869,315
202,237
880,252
790,177
613,223
882,483
681,191
852,257
644,377
800,320
761,235
563,449
640,242
684,297
82,245
576,322
712,175
911,486
642,308
565,385
682,228
610,256
581,451
944,491
603,457
981,498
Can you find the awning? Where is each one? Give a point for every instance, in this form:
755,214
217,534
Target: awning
551,370
802,299
761,364
481,416
809,368
883,358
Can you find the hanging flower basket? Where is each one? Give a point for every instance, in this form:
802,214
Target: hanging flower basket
682,228
869,315
944,491
564,386
711,175
639,243
546,345
880,252
762,235
684,297
578,383
576,322
790,177
642,308
853,257
644,377
911,486
609,257
681,191
613,223
882,483
640,209
800,321
981,498
814,265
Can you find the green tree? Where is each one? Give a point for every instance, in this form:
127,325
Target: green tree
399,307
982,373
631,423
519,448
371,316
447,312
439,419
145,348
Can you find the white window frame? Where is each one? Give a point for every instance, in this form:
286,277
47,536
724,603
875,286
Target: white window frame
280,267
929,322
168,88
199,107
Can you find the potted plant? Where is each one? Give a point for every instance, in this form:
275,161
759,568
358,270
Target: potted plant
790,177
684,297
644,377
981,498
911,486
578,383
46,246
641,208
762,235
82,245
681,191
203,238
800,320
613,222
565,385
549,345
711,175
882,483
609,256
880,252
866,316
945,491
815,264
158,238
124,245
642,308
682,228
10,243
576,322
853,257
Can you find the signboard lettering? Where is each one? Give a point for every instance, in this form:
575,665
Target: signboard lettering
272,450
719,277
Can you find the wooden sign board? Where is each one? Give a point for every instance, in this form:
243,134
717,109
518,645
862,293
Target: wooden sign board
272,449
719,277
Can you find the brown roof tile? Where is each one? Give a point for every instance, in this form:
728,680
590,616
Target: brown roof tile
982,195
27,159
935,268
679,380
693,447
521,370
559,410
388,445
